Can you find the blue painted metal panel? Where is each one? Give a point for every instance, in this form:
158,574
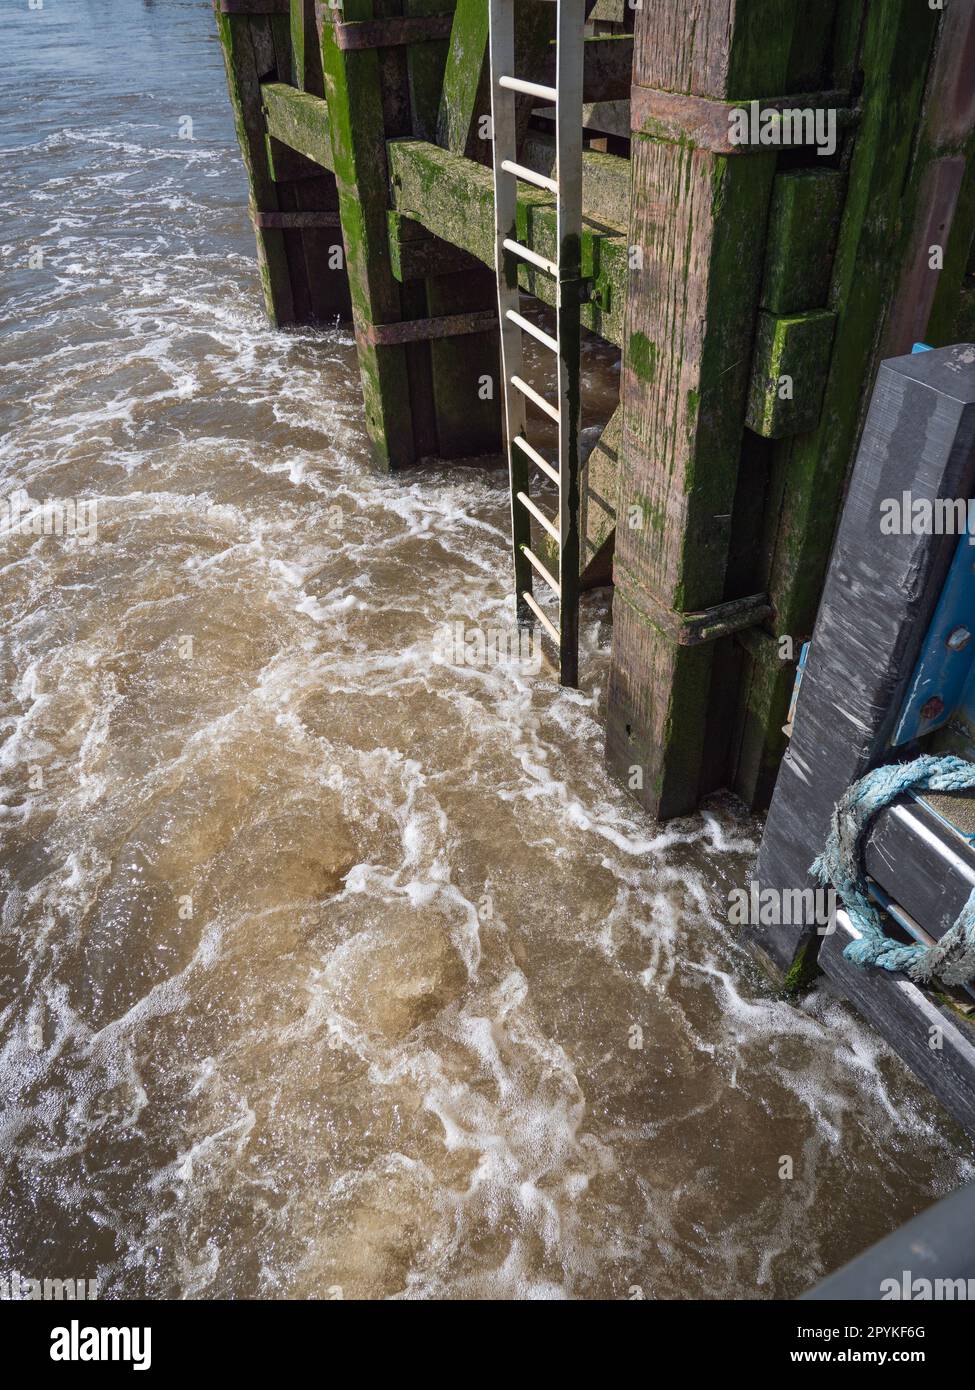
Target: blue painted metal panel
942,682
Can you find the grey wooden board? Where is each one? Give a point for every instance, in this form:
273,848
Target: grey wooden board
905,1016
919,863
937,1244
878,599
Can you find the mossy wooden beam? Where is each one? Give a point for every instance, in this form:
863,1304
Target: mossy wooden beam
605,177
357,90
808,472
248,50
299,120
697,226
464,116
465,99
300,154
453,197
416,254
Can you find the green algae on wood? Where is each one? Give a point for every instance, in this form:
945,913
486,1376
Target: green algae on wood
804,222
237,39
789,368
454,198
298,120
354,92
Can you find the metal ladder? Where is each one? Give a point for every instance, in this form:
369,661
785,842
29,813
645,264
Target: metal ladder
566,270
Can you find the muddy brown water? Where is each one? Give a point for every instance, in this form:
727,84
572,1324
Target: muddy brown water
328,965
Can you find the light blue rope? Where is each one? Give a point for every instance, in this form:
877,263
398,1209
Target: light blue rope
952,960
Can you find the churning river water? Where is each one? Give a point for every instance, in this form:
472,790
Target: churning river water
327,965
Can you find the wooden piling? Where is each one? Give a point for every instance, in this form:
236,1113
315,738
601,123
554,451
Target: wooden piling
751,289
697,230
806,473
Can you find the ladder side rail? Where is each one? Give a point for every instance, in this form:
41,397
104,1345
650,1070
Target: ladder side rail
502,57
568,137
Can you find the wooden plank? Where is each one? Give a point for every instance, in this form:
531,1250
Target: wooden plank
910,1019
697,221
252,8
297,221
926,303
453,197
877,604
605,177
298,120
599,486
393,31
463,122
923,866
429,329
600,502
466,100
288,165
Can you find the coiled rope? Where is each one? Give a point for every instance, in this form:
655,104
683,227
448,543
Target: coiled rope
952,959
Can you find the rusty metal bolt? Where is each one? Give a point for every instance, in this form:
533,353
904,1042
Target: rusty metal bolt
933,707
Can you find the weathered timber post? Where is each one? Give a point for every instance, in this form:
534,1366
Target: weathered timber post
697,231
465,371
427,346
366,101
252,46
309,191
293,202
890,47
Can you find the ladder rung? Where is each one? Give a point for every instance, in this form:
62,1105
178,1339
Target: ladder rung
533,395
530,89
520,172
530,328
553,633
539,516
536,457
533,258
553,584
